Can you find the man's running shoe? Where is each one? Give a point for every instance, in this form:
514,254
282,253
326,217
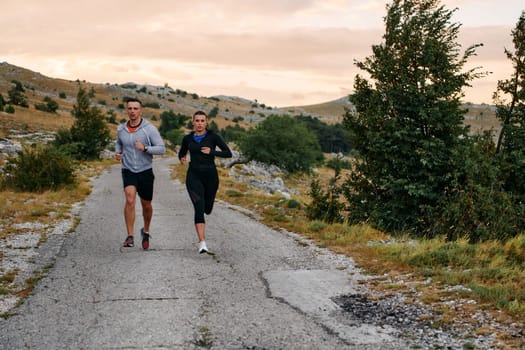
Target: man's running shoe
202,247
128,242
145,239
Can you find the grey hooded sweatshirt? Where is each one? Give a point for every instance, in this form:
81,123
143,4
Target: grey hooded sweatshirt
132,158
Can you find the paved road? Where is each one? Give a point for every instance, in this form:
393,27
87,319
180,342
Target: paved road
262,289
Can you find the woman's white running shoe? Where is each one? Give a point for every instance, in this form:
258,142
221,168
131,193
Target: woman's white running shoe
202,247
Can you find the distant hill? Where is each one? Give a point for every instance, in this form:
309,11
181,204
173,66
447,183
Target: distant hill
109,98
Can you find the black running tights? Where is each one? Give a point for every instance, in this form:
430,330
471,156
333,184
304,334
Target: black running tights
202,186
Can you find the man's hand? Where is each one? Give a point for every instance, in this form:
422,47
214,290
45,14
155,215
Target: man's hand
139,146
118,156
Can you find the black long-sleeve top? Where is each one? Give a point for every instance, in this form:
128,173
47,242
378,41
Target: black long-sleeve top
199,160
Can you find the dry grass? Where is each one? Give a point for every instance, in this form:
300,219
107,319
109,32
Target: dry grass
43,210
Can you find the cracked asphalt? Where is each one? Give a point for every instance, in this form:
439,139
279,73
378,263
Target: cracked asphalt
262,289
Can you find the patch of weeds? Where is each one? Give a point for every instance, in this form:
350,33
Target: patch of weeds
317,225
279,218
302,243
516,307
203,339
9,277
469,346
73,227
233,193
6,315
38,212
31,282
293,204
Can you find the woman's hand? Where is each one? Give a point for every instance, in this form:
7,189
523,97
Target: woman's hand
206,150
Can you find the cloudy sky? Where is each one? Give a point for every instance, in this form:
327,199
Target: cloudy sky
278,52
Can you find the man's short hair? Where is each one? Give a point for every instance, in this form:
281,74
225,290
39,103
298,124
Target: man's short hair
133,99
200,113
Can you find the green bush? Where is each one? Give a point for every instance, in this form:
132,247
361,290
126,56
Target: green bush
293,204
50,105
38,168
317,225
233,193
282,141
325,206
89,134
154,105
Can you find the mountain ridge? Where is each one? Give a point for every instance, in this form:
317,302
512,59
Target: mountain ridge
109,98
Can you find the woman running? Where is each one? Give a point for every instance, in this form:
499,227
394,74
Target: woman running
202,179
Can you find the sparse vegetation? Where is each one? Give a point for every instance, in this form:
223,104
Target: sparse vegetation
38,168
49,105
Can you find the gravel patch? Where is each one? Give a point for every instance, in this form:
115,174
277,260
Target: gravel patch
28,253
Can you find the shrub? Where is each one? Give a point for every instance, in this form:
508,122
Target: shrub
233,193
282,141
89,135
293,204
50,105
317,225
325,206
154,105
38,168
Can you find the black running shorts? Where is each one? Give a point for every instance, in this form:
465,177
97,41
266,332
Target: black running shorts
142,181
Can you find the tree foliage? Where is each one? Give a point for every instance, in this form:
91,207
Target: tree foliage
511,112
283,141
232,133
332,138
89,134
408,122
170,120
325,205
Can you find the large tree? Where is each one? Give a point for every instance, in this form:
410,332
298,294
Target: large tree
89,134
511,112
407,125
